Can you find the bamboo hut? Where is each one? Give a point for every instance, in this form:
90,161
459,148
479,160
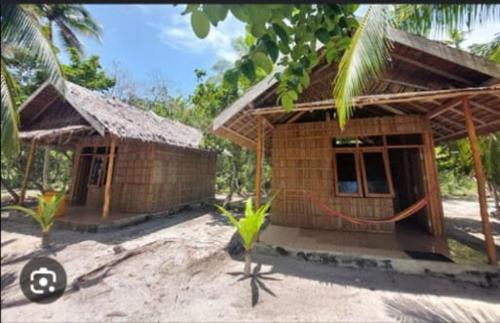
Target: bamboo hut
379,174
125,160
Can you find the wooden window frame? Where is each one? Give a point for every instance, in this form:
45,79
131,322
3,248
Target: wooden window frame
101,180
355,152
362,180
388,175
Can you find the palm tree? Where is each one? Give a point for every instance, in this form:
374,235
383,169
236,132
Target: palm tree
366,55
21,29
490,50
69,19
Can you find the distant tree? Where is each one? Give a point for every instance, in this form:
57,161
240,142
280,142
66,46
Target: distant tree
87,72
490,50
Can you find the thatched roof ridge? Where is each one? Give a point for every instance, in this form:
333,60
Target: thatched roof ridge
415,64
111,116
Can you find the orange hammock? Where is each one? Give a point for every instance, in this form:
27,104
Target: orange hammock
409,211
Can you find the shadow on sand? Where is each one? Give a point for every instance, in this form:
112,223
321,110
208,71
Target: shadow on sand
406,310
61,238
257,279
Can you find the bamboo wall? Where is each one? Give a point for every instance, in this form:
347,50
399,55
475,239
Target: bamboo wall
151,177
302,160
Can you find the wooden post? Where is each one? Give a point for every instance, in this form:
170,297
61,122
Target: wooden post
74,172
432,183
481,182
27,172
109,179
258,160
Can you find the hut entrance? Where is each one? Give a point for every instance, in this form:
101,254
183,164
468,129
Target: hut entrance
407,170
81,189
91,177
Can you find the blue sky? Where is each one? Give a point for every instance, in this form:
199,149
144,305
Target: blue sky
149,41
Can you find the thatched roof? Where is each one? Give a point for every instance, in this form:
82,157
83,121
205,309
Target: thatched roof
106,115
416,65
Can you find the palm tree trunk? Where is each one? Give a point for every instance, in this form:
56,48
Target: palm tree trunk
248,262
45,239
45,173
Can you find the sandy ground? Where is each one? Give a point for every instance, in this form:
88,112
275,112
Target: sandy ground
185,274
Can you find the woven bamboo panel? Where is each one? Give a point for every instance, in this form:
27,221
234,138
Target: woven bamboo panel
152,177
302,161
180,177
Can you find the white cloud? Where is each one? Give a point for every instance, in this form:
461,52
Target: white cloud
176,33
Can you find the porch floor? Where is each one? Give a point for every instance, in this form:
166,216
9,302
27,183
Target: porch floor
371,244
90,219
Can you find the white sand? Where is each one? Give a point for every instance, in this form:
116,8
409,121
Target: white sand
186,277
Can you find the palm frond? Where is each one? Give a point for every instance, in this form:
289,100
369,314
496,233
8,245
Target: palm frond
80,19
490,50
20,26
10,129
422,19
363,60
68,37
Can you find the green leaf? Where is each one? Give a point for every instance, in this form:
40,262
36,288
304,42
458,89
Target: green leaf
323,35
282,34
258,30
283,48
239,12
190,8
215,12
231,77
230,217
262,60
271,48
305,80
200,24
249,39
363,60
248,69
288,99
331,54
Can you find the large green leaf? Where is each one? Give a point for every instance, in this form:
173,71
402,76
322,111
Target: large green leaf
215,12
200,24
363,60
248,69
10,119
262,60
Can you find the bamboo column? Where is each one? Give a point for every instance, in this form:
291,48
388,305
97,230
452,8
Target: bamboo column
74,172
258,160
109,179
481,181
27,172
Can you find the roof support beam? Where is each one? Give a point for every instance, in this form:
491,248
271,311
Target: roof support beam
463,132
249,141
444,108
386,99
431,69
480,106
296,116
268,123
42,110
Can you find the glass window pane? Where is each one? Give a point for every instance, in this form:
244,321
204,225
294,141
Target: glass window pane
376,176
346,173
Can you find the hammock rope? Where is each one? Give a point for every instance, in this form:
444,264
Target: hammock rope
409,211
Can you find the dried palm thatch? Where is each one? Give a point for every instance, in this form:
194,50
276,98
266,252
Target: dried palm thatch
106,115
